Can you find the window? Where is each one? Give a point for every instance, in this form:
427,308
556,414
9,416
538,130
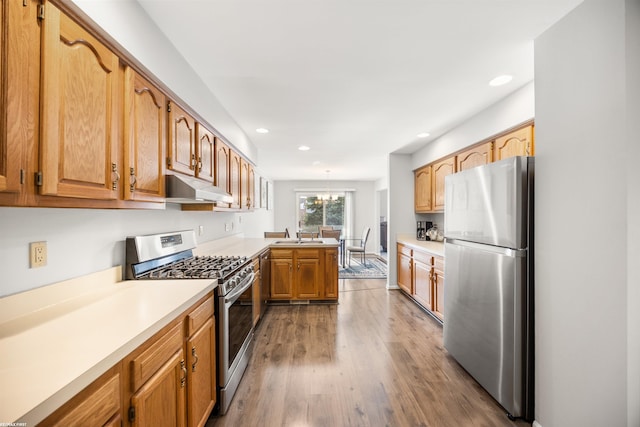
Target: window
320,209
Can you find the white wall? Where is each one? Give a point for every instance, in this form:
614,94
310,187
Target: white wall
365,209
582,188
82,241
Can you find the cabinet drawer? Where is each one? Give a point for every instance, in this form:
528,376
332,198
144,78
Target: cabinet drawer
282,253
153,358
199,316
402,249
308,253
93,406
439,264
423,257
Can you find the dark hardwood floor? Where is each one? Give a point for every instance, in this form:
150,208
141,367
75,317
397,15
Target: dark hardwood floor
375,359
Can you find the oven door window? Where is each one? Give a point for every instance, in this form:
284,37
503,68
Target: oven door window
240,323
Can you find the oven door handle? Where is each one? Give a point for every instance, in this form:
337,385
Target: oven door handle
246,284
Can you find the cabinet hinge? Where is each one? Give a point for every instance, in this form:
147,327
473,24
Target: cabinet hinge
168,162
21,176
24,3
41,12
38,179
169,107
132,413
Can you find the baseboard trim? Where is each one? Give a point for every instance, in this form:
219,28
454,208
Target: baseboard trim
536,424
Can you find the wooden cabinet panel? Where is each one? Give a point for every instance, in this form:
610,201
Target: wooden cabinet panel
308,278
422,271
476,156
423,188
205,152
79,113
235,179
246,187
405,267
145,365
201,377
516,143
223,161
161,400
96,405
331,274
438,287
145,139
200,315
182,141
281,278
440,170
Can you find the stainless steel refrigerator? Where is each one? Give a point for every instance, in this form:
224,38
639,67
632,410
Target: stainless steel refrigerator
488,289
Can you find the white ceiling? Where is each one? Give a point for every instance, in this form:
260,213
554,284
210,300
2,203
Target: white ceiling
353,79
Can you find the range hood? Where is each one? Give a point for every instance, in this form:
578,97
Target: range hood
184,189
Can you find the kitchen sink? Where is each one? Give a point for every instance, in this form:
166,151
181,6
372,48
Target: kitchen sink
298,242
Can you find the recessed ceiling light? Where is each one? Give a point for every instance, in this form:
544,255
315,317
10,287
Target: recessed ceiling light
262,130
304,148
501,80
423,134
316,163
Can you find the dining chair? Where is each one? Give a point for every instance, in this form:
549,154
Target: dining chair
360,247
281,234
331,234
322,228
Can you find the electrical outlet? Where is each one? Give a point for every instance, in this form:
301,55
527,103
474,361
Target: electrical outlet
200,230
227,227
37,254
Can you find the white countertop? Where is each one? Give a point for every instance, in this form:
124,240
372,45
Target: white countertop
433,247
56,340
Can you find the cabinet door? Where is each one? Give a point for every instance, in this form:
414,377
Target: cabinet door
516,143
80,110
476,156
145,139
19,92
235,179
440,170
308,278
331,274
161,400
182,141
422,283
281,278
205,153
422,196
404,269
246,195
223,161
201,377
438,287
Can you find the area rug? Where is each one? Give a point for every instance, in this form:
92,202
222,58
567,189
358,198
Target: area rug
376,269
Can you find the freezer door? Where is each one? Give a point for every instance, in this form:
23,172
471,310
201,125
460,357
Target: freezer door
485,317
490,204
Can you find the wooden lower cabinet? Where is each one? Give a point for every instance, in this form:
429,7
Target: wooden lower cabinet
421,276
96,405
304,274
438,287
405,267
170,380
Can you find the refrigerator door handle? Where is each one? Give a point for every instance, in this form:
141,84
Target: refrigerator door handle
516,253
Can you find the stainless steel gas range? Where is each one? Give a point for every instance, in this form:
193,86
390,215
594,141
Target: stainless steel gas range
170,256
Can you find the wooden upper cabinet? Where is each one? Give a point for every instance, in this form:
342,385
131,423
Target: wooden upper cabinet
205,153
223,161
144,139
235,179
182,141
247,187
79,111
440,170
476,156
422,187
516,143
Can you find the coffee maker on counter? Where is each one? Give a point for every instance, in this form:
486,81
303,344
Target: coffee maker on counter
421,230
